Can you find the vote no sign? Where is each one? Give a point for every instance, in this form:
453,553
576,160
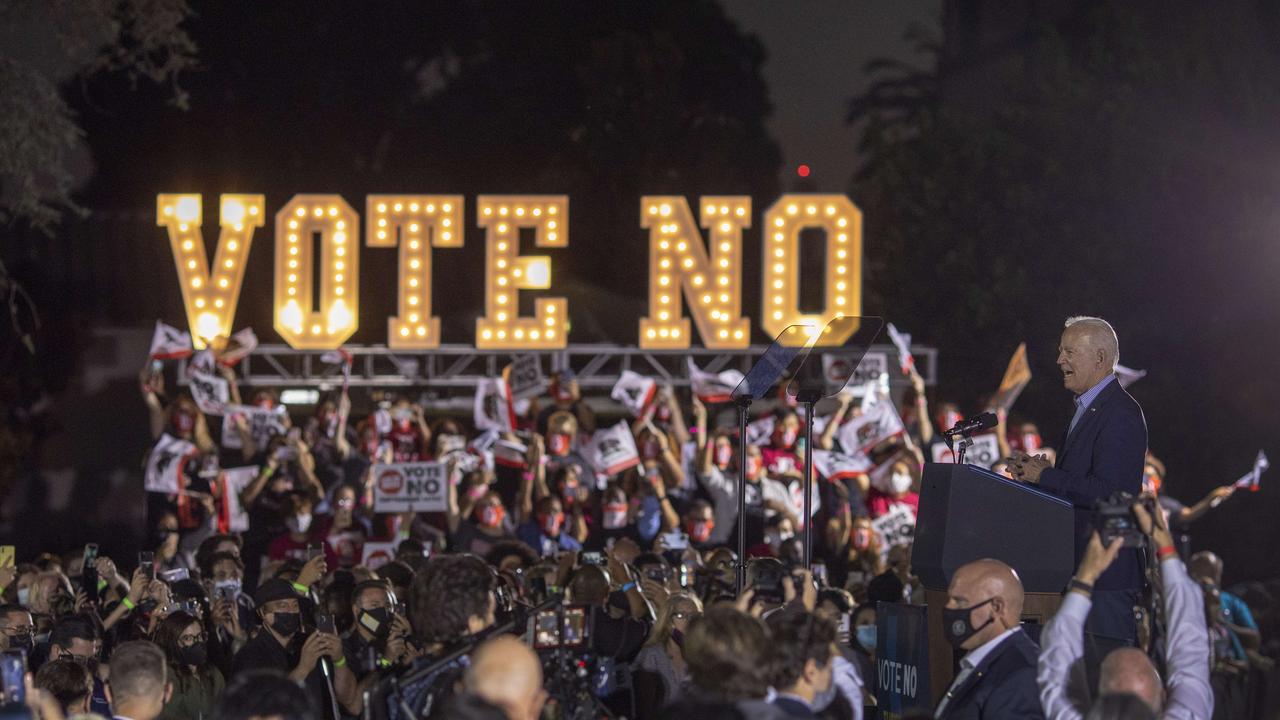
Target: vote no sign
409,487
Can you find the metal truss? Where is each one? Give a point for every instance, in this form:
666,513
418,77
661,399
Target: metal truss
596,366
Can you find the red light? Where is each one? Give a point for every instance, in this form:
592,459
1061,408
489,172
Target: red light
803,171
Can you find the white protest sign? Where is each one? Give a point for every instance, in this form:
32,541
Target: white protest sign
492,408
164,465
760,431
234,481
169,342
838,466
210,392
902,341
613,449
985,451
634,391
263,424
712,388
878,422
377,554
525,378
840,373
896,527
409,487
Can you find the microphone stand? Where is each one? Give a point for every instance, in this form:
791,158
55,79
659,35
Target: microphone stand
744,404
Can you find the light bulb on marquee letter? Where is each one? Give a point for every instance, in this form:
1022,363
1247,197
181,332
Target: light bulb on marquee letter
507,272
417,223
298,224
210,294
679,265
780,300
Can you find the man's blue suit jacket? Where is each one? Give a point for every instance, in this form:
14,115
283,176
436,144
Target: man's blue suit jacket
1105,452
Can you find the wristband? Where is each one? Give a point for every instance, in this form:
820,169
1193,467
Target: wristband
1166,552
128,604
301,589
1082,586
628,586
527,475
341,662
102,584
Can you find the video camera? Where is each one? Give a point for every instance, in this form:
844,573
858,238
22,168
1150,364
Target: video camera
1113,517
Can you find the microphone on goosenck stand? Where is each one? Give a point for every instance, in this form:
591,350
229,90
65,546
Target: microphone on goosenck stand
966,428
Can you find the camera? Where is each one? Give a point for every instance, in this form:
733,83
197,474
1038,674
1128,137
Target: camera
1113,517
766,580
548,632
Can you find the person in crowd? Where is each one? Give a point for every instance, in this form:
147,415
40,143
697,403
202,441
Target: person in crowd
997,676
485,526
1205,567
379,637
17,628
545,531
507,674
74,637
863,633
452,600
619,611
298,536
140,685
1104,452
70,683
803,662
1186,693
566,397
265,695
343,530
898,487
848,672
728,653
660,673
197,684
1180,517
282,645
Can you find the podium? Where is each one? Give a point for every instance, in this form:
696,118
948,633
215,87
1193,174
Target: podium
967,513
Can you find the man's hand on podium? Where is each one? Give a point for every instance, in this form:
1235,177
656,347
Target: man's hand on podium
1026,468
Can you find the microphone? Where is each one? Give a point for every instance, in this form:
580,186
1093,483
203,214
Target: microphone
969,426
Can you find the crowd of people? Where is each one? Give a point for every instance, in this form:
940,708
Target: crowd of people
548,586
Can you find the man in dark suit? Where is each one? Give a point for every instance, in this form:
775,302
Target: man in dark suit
997,677
1104,451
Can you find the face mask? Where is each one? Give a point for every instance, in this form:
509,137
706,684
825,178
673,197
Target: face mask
1151,483
491,515
265,403
376,621
22,642
861,538
286,624
785,437
184,422
551,524
900,483
23,595
614,516
700,530
1030,442
867,637
677,637
559,443
754,464
958,625
569,492
724,455
227,587
194,654
298,523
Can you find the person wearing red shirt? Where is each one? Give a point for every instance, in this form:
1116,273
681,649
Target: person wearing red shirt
894,488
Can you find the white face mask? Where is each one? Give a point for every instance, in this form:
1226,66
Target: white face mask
298,523
24,594
775,539
900,483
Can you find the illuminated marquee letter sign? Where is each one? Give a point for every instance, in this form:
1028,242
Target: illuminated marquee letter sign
507,272
209,294
305,220
679,265
837,216
416,223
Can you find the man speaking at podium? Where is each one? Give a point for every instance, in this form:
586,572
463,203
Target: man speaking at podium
1103,452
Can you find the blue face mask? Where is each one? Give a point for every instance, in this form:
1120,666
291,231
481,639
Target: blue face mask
867,637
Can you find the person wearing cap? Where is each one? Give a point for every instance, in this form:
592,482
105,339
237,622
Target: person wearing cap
281,645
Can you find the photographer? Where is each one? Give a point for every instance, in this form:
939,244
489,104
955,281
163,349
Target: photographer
280,645
378,639
1187,693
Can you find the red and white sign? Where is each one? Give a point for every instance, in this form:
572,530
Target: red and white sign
613,449
169,343
713,388
376,555
409,487
164,465
634,391
985,451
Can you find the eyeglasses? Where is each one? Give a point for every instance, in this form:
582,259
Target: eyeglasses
188,640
